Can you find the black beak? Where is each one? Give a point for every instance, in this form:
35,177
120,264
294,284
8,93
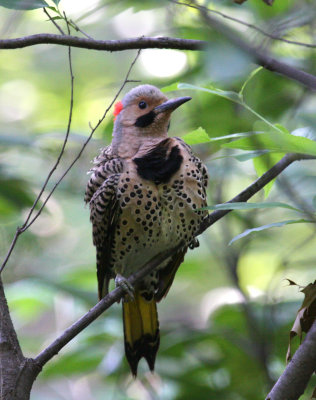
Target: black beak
171,104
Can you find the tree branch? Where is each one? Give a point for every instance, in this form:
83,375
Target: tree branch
292,383
105,45
10,351
54,22
118,293
14,367
254,188
264,59
261,58
244,23
99,308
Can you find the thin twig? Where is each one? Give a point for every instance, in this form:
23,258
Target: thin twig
251,26
86,142
54,22
118,293
27,224
262,58
76,27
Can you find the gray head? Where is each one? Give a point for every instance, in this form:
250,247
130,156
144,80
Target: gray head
143,114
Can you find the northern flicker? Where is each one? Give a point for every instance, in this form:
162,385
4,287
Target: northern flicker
145,194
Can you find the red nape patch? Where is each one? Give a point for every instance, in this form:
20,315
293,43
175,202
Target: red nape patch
118,107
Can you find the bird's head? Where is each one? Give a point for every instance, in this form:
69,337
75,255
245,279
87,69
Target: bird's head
142,119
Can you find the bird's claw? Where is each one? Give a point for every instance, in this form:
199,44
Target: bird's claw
124,284
195,243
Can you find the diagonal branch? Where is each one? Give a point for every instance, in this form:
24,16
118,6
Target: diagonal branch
248,25
259,57
118,293
55,23
114,296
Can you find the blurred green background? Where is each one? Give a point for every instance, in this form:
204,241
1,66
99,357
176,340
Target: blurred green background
225,324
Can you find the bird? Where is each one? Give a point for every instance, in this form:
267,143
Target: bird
146,194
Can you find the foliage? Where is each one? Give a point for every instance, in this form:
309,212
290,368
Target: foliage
305,315
26,4
226,320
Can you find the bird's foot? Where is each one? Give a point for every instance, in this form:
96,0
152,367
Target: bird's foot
123,283
195,243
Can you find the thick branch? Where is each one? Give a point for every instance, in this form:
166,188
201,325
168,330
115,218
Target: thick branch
17,373
107,45
10,352
293,381
118,293
264,59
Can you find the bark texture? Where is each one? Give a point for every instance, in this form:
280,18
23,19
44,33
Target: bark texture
17,373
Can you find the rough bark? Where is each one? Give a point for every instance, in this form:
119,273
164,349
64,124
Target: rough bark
292,383
17,373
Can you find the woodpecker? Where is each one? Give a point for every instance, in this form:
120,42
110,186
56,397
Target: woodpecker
146,193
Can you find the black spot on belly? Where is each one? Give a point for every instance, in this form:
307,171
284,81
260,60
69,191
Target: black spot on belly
157,165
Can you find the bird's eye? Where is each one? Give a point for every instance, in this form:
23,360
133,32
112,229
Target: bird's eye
142,104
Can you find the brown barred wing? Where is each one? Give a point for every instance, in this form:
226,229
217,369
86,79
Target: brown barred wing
104,212
105,165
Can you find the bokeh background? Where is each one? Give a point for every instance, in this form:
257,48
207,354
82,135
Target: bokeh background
225,324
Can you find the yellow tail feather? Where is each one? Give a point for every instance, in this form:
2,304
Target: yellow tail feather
141,331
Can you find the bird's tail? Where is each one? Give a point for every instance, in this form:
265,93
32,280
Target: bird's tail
141,331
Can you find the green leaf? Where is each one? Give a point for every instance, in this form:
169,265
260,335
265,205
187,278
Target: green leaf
23,4
249,155
234,136
56,2
277,142
229,95
170,88
263,227
249,206
251,75
282,128
196,137
233,96
52,8
263,163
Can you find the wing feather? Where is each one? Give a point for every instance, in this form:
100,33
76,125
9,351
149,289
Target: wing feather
101,194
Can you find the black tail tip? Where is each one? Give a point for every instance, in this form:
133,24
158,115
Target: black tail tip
151,358
133,364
